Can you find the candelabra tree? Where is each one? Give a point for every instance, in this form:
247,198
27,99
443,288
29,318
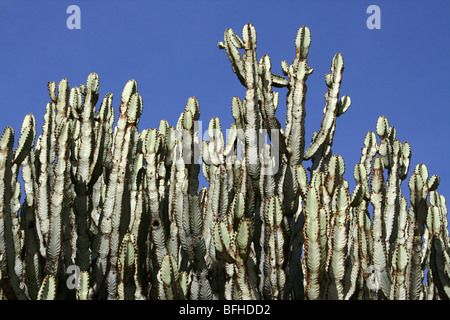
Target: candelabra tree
111,212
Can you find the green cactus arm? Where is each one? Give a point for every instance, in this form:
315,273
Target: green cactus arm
31,239
26,140
270,103
333,81
217,203
297,73
47,290
369,151
56,203
231,45
150,153
312,245
83,286
87,132
9,238
83,178
352,283
238,113
252,115
393,191
31,252
25,144
45,173
339,243
294,132
129,287
157,229
199,291
98,193
419,208
187,213
159,239
267,183
336,170
406,160
120,217
109,240
399,290
62,110
168,278
102,137
365,238
439,259
243,237
440,265
275,277
51,86
224,241
379,246
75,102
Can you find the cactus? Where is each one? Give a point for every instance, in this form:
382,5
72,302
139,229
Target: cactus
125,207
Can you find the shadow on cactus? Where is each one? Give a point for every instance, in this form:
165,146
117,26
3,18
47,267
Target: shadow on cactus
117,213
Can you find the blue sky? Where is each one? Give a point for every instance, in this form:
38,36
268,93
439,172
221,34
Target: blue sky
170,49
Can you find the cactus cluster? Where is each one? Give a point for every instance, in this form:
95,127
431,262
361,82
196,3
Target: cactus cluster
124,207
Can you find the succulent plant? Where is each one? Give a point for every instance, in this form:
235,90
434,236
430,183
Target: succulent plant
125,208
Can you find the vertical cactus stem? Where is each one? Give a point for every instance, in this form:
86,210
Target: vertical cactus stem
28,218
339,242
352,283
294,132
379,246
252,96
296,97
419,208
9,237
344,104
320,147
75,102
83,286
85,151
128,287
392,197
91,89
400,260
369,151
45,174
439,259
336,170
382,127
270,103
312,245
56,205
275,275
26,140
231,45
157,227
101,139
405,160
51,86
61,105
83,201
168,278
47,290
109,241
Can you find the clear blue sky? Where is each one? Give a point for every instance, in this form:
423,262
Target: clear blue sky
170,48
